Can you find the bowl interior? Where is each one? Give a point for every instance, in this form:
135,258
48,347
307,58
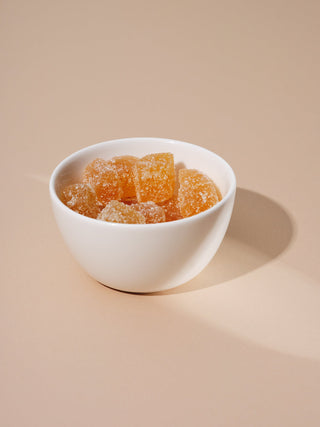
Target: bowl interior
186,155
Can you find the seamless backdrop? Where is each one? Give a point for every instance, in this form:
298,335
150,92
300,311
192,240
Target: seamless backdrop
238,345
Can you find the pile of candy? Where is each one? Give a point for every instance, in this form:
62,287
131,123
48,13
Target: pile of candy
129,190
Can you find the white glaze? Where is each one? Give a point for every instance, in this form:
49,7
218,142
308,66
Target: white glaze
138,257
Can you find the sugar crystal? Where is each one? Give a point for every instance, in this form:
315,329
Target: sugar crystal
104,179
197,192
82,199
119,212
152,212
154,177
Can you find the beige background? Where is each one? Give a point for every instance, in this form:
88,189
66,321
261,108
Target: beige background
240,344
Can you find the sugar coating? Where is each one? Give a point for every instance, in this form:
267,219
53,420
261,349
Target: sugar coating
197,192
152,212
119,212
104,179
154,177
82,199
171,209
124,167
147,185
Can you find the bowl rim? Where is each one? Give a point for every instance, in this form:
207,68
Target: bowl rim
55,174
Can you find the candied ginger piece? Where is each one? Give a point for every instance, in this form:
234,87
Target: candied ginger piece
154,177
120,212
82,199
152,212
103,178
171,209
197,192
124,167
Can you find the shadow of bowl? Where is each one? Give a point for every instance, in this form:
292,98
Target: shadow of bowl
260,230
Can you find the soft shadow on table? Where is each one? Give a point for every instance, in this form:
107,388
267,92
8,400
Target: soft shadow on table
260,230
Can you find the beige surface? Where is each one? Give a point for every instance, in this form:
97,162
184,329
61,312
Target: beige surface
237,346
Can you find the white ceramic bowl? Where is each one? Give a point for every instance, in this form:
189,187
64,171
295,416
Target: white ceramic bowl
144,257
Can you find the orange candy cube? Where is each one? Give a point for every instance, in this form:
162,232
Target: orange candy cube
171,209
82,199
104,179
152,212
197,192
124,167
154,177
119,212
